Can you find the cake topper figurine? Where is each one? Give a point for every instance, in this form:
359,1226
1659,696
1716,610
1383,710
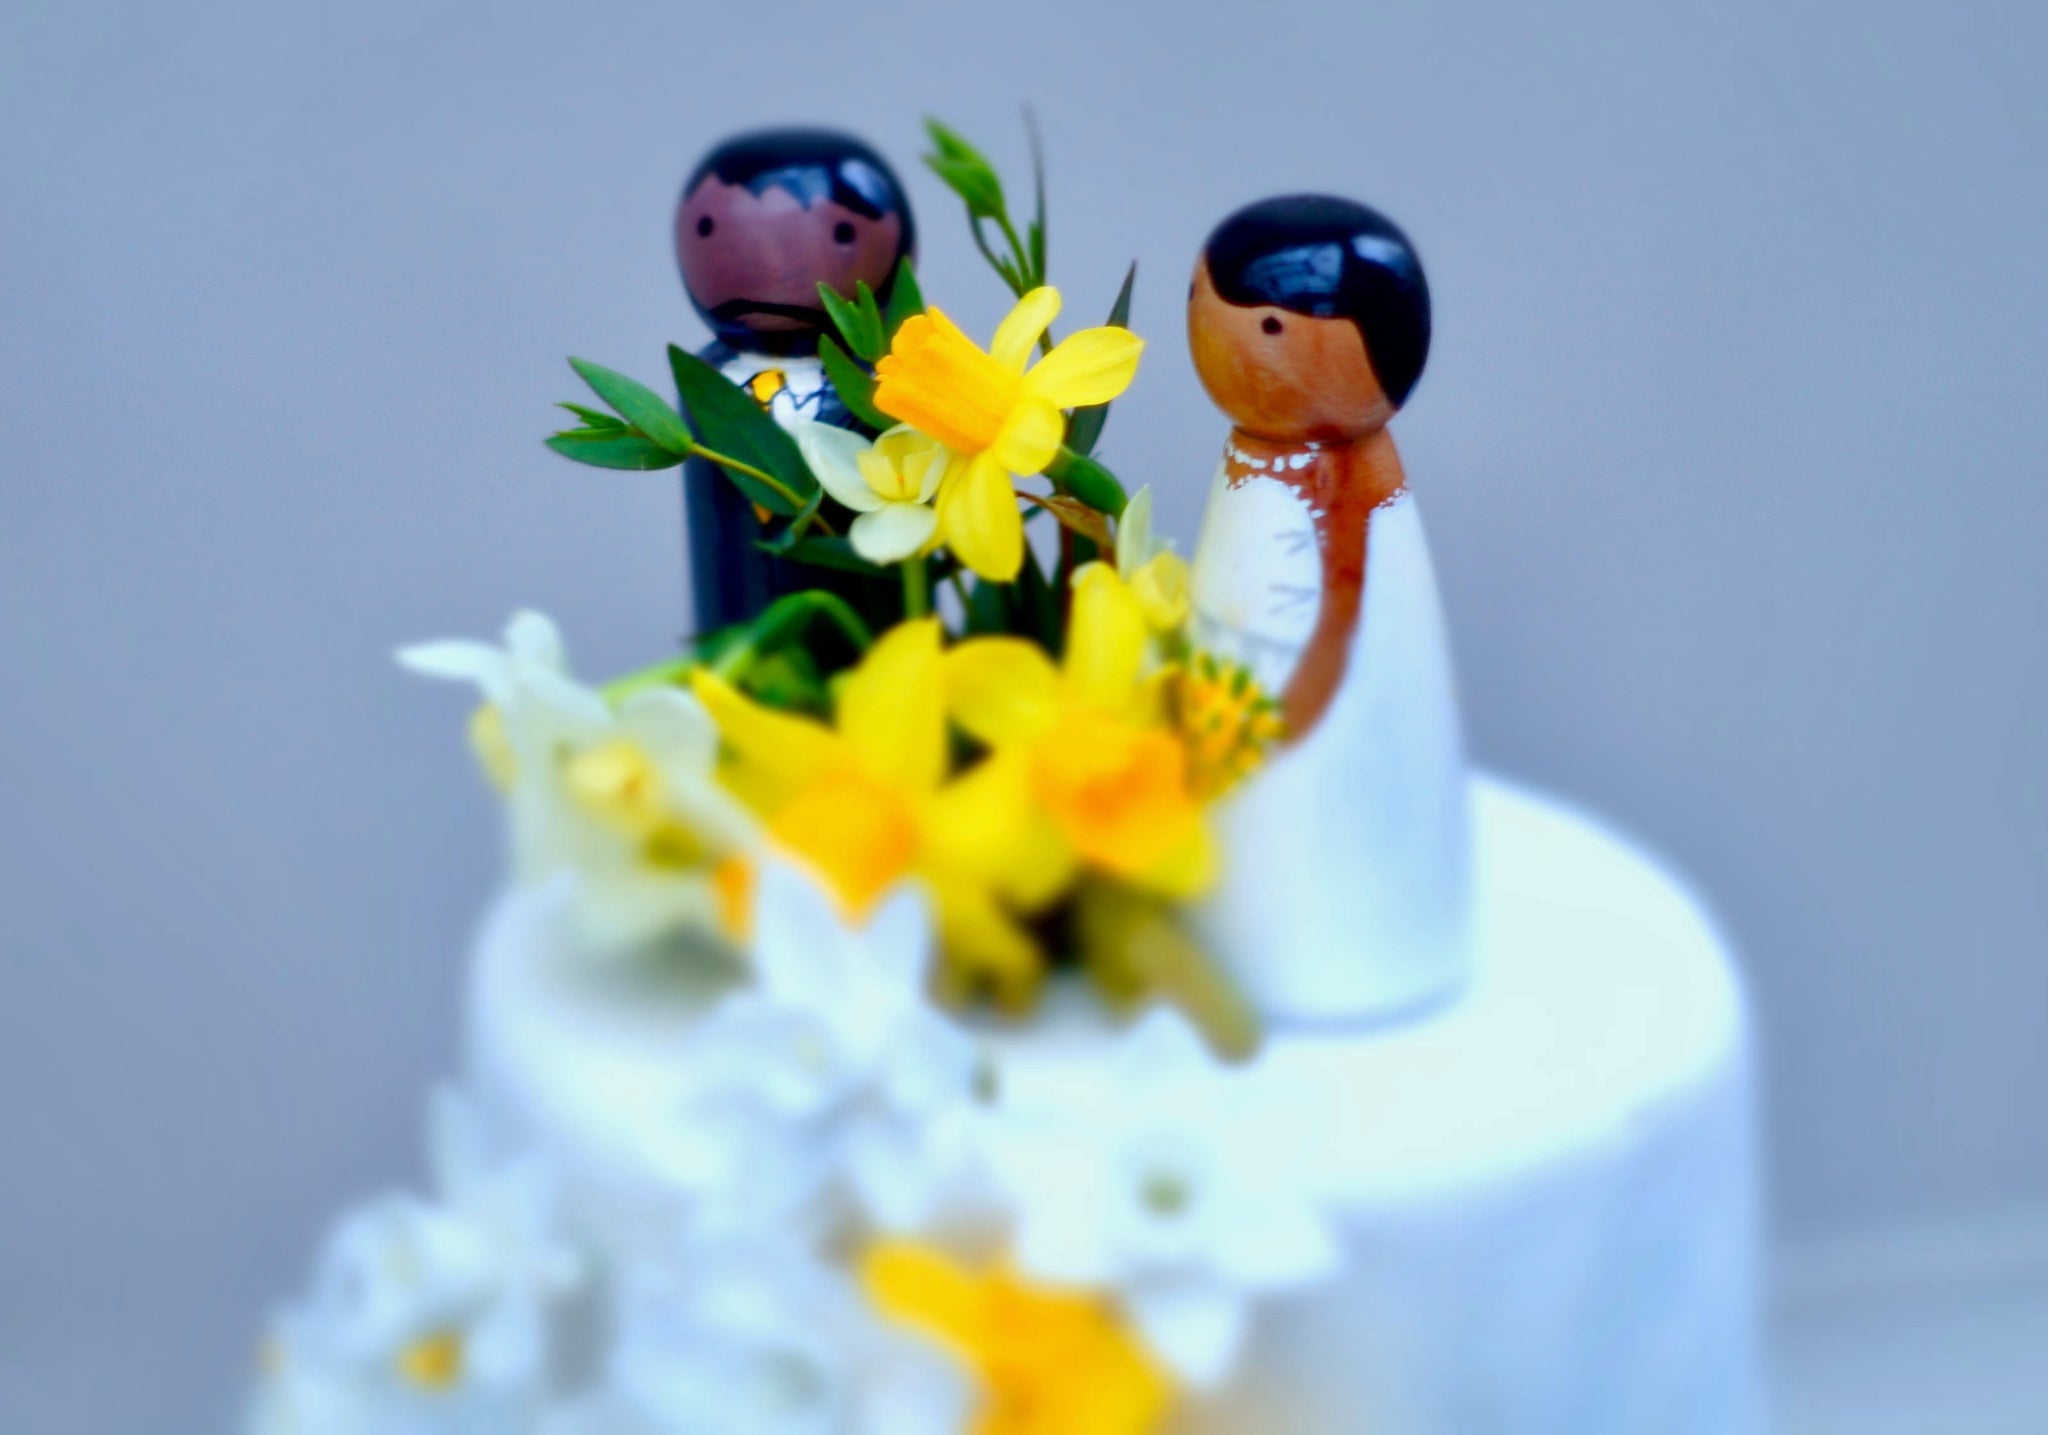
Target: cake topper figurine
763,220
1309,322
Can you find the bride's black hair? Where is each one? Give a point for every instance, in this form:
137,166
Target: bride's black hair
1330,258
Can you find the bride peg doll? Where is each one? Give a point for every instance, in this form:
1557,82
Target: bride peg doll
1345,897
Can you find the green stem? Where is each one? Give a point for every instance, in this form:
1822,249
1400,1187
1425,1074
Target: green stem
917,595
783,619
660,675
767,480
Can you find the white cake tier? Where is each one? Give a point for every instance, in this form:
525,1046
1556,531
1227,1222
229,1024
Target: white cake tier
1547,1189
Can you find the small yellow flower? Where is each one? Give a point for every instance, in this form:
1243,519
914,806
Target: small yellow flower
889,484
866,802
1158,576
1049,1362
434,1362
1227,722
998,417
1089,741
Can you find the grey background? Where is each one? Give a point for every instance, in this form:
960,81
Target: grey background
1732,444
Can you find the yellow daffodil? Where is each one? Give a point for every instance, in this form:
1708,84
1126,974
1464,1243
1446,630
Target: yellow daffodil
998,414
889,484
1087,744
1049,1362
1158,577
865,802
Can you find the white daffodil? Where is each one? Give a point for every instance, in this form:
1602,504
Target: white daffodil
1159,1176
889,483
835,1068
757,1338
625,796
427,1316
1157,576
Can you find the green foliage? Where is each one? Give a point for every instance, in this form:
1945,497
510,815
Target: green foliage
823,552
638,405
855,385
965,171
905,297
859,321
736,427
615,447
1084,429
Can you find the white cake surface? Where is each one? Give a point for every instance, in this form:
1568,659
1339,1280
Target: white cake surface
1546,1187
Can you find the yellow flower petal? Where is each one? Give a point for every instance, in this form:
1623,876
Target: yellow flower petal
1105,640
979,521
1160,585
1029,437
1018,334
892,707
1091,367
782,749
1188,867
935,379
858,834
916,1286
1119,793
987,826
985,953
1002,690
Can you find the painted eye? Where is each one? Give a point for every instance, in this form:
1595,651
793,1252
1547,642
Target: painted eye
842,232
1270,324
705,226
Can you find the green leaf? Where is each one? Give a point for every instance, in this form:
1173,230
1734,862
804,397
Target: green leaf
639,405
1036,233
905,298
1094,485
988,608
855,385
733,424
862,335
836,553
613,448
793,531
594,418
973,181
870,320
1084,430
1039,609
948,142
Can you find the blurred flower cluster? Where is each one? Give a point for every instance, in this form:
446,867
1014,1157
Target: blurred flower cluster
890,1227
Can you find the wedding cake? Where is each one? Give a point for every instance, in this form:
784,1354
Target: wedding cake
1003,978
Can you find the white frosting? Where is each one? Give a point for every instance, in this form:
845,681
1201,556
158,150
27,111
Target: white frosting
1377,786
1546,1187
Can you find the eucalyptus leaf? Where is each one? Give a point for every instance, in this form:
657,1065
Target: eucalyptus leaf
733,424
855,385
613,448
792,532
1084,429
639,405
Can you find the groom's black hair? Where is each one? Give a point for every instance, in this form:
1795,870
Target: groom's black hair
1330,258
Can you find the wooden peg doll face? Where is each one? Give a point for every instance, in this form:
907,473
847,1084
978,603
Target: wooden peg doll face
1279,375
757,259
770,215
